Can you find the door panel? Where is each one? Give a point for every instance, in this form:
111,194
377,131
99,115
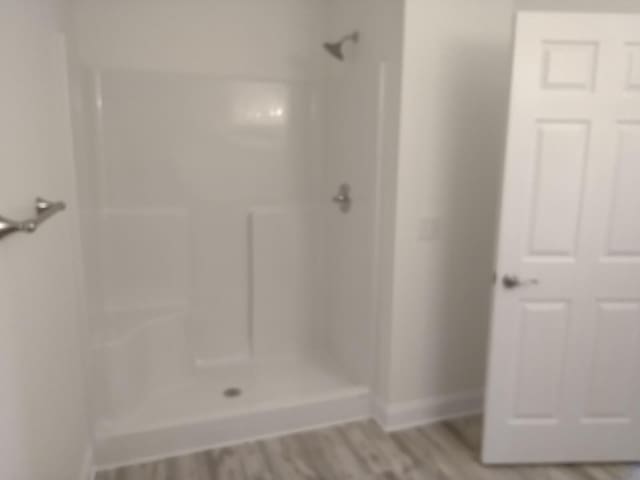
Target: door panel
564,372
633,66
614,358
560,164
624,236
543,323
569,65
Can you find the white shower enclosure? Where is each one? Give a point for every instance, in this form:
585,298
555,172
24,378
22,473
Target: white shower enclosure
223,282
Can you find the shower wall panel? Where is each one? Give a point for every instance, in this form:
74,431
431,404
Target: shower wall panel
185,158
362,103
289,315
209,142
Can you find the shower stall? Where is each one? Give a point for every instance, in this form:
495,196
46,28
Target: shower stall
229,296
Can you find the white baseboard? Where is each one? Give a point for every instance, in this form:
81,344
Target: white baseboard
87,470
145,446
399,416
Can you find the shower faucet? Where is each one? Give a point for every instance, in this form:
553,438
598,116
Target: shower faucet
45,209
343,198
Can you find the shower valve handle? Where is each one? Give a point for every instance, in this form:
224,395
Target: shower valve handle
343,198
45,209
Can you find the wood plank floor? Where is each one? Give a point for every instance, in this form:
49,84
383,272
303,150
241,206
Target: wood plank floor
362,451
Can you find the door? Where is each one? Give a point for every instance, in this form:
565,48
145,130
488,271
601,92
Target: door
564,365
44,429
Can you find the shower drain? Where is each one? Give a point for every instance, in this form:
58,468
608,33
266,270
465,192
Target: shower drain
232,392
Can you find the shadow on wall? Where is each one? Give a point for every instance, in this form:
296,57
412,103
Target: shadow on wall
475,104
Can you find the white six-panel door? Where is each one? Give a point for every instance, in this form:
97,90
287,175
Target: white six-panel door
564,373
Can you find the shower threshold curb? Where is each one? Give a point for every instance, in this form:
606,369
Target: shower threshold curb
191,436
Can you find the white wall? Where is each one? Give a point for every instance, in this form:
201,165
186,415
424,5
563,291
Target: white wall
454,101
45,429
455,81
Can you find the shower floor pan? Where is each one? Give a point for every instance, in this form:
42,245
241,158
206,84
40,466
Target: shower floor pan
230,404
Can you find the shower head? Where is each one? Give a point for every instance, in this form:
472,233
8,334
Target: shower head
335,48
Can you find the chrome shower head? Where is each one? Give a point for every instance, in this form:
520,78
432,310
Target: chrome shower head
335,48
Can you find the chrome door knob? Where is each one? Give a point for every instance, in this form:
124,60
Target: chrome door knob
512,281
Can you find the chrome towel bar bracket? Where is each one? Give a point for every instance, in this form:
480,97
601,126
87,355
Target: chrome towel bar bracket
44,211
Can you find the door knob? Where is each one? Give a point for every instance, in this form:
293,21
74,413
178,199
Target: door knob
512,281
